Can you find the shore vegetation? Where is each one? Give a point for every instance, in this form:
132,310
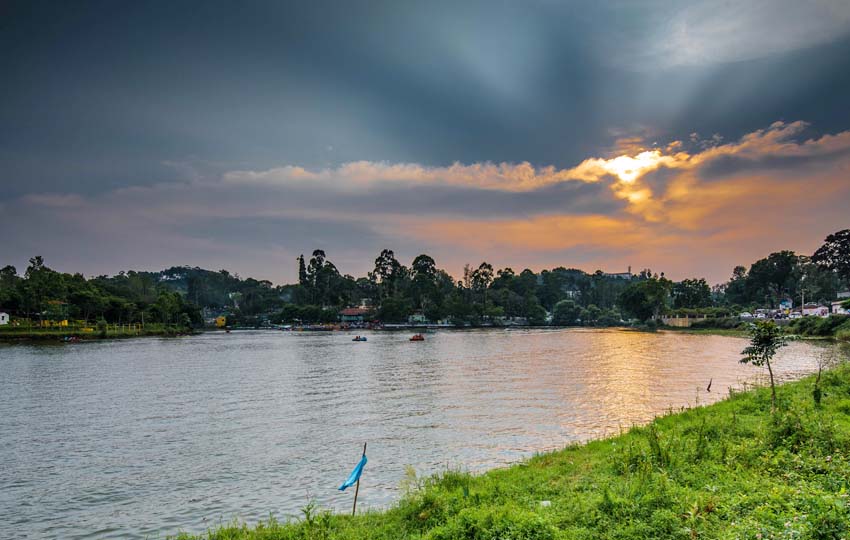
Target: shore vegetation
422,292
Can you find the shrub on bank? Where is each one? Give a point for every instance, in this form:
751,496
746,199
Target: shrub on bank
723,323
819,326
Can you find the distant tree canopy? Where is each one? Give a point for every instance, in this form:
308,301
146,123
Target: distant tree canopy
787,275
647,298
393,291
45,294
566,313
691,293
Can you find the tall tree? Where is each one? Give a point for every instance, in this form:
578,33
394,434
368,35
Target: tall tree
424,285
691,293
814,282
771,278
42,285
834,254
314,275
302,271
504,278
736,291
481,279
423,266
10,297
646,298
388,271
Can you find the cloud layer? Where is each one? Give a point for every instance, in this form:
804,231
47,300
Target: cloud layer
690,208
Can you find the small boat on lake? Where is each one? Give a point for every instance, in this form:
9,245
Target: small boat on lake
417,337
359,338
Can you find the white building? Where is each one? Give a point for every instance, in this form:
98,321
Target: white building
620,275
838,310
4,318
815,310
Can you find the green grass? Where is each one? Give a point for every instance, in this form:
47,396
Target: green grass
21,333
727,471
832,327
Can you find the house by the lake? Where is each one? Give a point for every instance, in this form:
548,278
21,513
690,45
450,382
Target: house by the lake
417,318
812,309
354,314
4,318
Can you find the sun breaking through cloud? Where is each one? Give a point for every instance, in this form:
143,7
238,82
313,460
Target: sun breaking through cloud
650,205
624,172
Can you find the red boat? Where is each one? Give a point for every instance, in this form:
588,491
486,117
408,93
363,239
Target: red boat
418,337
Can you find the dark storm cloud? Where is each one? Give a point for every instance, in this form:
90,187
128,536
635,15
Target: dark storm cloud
104,94
725,166
122,119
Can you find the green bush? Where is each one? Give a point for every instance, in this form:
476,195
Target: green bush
829,520
842,332
500,523
819,326
843,406
725,323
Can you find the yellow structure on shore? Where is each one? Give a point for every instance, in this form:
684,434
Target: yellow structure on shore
54,324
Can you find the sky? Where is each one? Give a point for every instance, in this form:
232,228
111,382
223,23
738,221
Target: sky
683,136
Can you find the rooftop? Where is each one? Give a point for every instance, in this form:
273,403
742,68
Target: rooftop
354,311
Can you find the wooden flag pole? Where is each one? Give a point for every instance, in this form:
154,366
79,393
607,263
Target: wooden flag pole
357,489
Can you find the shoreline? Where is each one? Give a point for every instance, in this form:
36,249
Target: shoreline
730,469
728,332
76,336
58,336
734,332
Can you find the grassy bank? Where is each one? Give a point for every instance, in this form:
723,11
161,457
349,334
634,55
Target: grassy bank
832,327
731,332
731,470
11,333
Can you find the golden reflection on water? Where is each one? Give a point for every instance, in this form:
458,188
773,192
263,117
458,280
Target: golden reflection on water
583,384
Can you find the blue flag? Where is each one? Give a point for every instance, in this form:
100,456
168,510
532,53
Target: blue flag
355,474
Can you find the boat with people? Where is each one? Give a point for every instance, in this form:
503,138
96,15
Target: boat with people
359,338
417,337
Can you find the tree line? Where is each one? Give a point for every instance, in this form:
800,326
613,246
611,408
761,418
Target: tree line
394,291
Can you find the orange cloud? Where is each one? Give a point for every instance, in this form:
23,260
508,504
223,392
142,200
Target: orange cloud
689,221
545,233
361,174
625,171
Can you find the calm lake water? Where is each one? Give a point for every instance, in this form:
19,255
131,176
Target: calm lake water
143,438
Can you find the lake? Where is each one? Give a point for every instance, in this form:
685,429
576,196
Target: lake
146,437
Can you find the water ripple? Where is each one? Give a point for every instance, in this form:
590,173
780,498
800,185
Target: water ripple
142,438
